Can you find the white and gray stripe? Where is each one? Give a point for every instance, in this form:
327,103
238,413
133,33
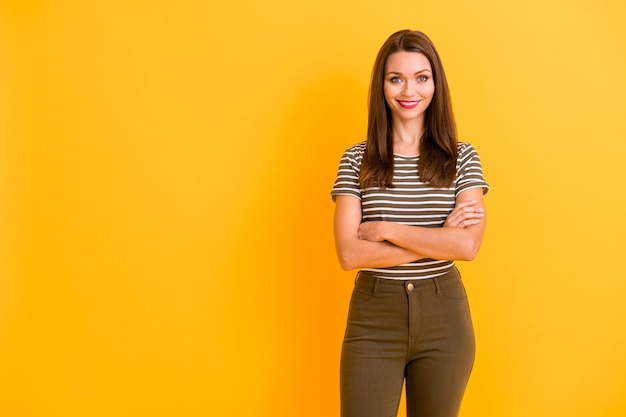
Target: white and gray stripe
409,202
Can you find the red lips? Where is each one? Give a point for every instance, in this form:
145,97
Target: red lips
408,104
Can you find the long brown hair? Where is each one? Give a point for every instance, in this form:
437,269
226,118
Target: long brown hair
438,145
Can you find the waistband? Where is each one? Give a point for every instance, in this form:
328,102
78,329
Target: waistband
370,284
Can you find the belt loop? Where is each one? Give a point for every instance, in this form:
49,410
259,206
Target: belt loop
375,290
437,287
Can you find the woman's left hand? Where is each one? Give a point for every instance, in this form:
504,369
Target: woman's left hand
465,214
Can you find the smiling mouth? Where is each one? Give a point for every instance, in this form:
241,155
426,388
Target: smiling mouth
408,104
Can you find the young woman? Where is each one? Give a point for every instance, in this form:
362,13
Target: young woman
409,202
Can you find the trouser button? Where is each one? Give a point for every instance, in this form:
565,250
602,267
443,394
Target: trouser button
410,286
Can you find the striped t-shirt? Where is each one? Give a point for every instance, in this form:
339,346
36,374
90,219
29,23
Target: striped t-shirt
409,202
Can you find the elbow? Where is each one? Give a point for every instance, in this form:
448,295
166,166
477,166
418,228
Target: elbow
345,266
469,251
346,261
467,257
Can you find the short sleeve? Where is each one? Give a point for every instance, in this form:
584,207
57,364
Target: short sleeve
347,180
469,170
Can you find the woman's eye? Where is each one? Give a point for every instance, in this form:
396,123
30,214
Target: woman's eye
422,78
395,80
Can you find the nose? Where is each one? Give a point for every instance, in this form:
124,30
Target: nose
409,88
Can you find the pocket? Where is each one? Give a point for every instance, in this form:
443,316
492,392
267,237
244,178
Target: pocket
360,298
451,289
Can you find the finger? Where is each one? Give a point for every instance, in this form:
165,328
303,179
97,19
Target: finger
467,206
470,222
465,213
470,212
467,218
467,203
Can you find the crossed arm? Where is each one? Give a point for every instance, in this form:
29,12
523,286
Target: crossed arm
385,244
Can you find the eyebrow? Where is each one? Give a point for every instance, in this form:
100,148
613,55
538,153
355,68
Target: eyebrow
418,72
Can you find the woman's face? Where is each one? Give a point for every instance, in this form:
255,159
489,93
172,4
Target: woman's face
408,85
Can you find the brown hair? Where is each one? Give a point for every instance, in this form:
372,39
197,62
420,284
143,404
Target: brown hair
438,145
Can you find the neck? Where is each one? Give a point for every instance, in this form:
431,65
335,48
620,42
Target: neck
406,136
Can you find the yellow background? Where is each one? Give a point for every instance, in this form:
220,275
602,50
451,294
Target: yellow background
166,222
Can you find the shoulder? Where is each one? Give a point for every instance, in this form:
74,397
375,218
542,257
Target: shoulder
356,150
354,155
465,151
464,147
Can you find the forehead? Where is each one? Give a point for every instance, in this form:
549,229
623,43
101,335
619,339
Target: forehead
406,61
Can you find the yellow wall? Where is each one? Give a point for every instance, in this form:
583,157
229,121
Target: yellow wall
165,170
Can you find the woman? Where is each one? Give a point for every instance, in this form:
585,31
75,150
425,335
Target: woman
409,202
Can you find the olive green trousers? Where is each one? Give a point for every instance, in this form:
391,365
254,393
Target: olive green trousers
417,332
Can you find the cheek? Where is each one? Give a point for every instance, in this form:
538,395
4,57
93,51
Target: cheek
389,94
432,89
387,91
429,90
